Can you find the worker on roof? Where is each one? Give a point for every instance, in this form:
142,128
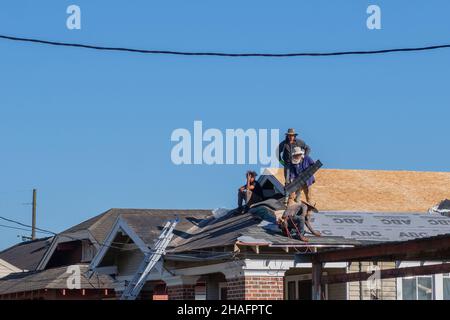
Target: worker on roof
301,162
285,153
295,217
251,192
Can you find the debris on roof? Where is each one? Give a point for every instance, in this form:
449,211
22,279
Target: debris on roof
442,208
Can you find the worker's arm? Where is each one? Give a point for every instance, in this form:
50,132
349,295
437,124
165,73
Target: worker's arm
249,186
280,151
302,144
307,150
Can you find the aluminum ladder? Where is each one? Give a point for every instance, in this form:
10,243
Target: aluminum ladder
133,289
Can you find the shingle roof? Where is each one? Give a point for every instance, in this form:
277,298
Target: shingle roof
243,228
55,278
337,228
147,222
26,255
377,190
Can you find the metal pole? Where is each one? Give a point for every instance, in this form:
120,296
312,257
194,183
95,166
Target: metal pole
33,222
361,293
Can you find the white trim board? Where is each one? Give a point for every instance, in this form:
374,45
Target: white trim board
62,238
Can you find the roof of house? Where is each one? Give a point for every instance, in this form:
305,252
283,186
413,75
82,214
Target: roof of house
26,255
337,228
245,229
55,278
145,221
376,190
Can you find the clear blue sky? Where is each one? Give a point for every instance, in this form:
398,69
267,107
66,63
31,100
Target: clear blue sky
91,130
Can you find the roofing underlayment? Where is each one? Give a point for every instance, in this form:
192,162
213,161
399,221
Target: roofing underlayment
338,228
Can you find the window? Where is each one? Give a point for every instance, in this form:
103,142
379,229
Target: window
417,288
446,286
200,291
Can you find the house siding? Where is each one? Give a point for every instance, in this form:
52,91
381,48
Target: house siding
388,286
129,261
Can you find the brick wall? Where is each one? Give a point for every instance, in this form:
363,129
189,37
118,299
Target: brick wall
255,288
181,292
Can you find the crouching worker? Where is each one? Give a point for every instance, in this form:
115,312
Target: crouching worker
295,217
251,192
301,162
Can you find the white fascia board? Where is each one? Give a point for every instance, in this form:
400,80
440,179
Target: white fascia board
327,265
405,264
9,266
119,226
227,268
251,267
104,246
276,183
62,238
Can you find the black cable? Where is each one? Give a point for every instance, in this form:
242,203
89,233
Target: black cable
17,228
26,225
223,54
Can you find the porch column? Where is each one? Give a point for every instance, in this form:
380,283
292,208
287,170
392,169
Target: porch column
317,280
256,280
181,287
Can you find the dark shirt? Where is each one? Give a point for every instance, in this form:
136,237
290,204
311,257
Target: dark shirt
258,191
285,150
296,169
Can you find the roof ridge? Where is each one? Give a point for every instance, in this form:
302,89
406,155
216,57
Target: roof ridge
372,170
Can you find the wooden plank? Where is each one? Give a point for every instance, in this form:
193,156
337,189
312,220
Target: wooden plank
303,178
387,274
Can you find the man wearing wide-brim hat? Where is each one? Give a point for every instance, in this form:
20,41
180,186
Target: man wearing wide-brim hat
286,150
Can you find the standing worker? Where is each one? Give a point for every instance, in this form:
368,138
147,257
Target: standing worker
285,151
301,162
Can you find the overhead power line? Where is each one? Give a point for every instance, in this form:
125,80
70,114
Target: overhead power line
26,225
18,228
224,54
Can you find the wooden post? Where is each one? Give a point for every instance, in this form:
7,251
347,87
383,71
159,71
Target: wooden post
317,280
33,218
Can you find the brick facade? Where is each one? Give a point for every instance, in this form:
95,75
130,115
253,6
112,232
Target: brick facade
256,288
181,292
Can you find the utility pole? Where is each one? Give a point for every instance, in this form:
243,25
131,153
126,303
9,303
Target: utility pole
33,219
